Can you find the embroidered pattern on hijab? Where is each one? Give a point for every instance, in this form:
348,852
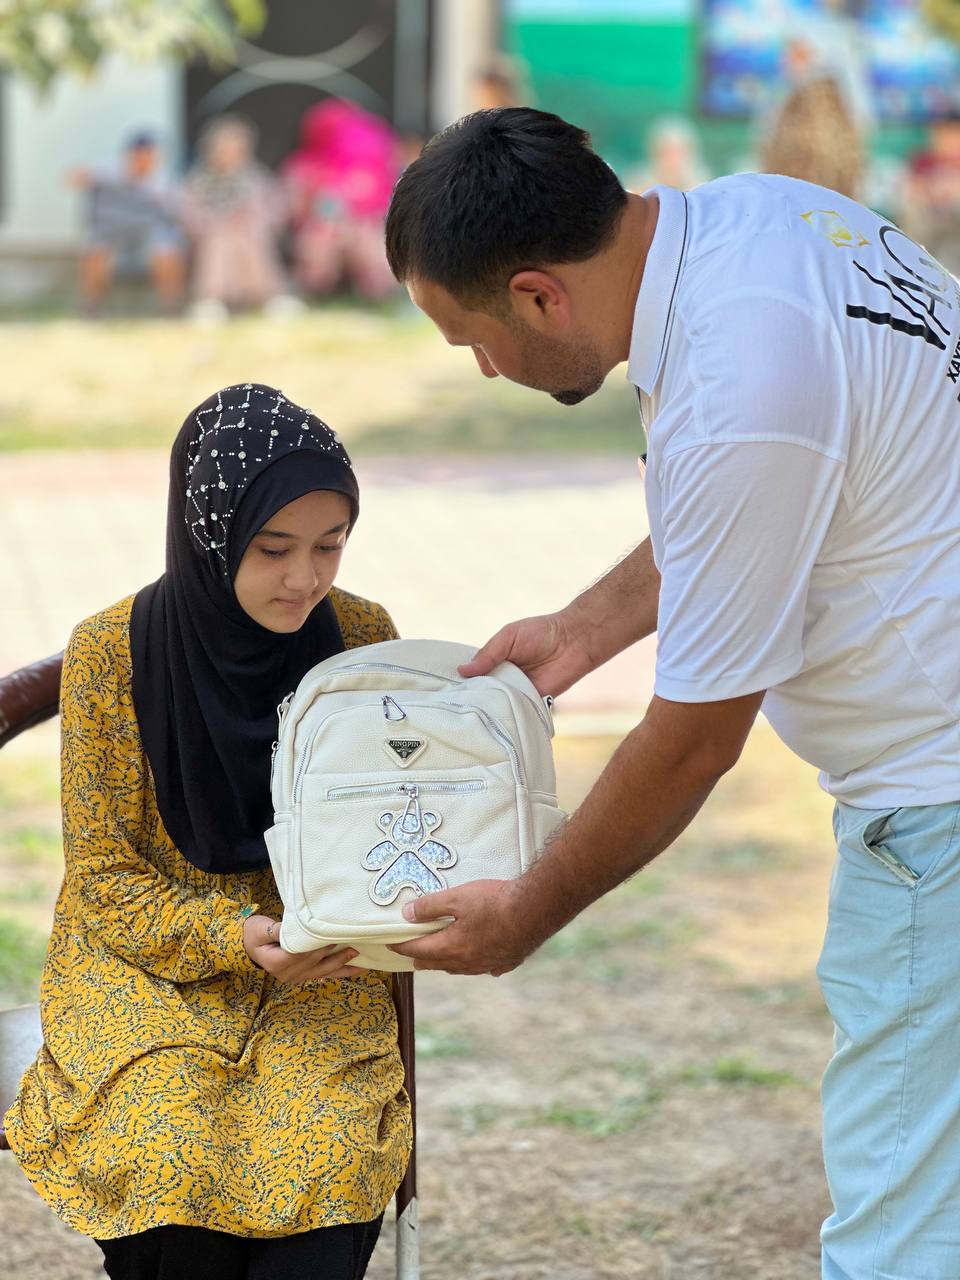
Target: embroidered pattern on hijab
207,678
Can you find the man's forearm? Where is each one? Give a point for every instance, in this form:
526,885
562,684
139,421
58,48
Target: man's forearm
648,793
621,607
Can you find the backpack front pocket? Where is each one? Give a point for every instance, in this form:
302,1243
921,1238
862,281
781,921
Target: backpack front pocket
406,836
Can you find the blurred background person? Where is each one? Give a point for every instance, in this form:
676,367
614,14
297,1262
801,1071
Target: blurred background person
340,179
501,82
234,210
674,158
931,210
131,227
816,132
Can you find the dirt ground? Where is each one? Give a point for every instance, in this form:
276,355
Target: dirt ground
639,1100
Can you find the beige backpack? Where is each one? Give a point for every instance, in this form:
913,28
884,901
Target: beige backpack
393,777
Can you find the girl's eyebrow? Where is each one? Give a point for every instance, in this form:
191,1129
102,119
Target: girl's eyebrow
278,533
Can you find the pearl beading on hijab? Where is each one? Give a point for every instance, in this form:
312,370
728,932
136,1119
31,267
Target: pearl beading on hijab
224,437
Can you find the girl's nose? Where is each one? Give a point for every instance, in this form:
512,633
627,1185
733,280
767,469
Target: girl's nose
486,368
301,576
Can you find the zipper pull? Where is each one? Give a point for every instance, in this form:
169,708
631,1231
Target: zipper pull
281,712
387,702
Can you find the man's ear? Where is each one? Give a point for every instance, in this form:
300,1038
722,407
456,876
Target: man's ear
541,299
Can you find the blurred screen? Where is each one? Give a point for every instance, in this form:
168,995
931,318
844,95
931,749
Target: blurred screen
907,74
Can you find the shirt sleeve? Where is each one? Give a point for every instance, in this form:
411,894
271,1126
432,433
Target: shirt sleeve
743,526
151,920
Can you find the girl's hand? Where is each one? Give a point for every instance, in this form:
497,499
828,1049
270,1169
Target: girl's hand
261,942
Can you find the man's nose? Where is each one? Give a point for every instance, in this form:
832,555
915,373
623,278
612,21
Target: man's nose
486,368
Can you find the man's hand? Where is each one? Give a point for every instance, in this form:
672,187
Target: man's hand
487,934
656,781
557,649
261,942
546,648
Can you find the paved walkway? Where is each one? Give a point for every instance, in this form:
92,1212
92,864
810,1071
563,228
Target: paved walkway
452,549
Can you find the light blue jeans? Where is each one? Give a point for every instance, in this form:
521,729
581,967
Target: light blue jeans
890,974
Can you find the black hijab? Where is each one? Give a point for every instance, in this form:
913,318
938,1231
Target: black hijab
207,678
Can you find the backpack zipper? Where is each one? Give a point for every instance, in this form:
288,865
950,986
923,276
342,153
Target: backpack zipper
412,671
281,715
491,725
498,732
403,788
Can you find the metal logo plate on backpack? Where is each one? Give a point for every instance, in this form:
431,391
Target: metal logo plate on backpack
403,751
410,859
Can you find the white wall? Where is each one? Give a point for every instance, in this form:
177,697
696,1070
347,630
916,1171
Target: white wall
464,38
78,123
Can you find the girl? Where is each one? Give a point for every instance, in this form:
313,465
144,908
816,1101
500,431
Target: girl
234,210
206,1103
340,180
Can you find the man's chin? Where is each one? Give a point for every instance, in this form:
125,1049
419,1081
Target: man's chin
574,396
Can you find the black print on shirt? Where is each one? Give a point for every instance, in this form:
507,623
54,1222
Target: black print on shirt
916,284
953,369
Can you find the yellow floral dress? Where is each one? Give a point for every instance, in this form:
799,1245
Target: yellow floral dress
179,1082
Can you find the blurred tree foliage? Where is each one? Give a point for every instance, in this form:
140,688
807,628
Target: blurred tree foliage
944,16
42,40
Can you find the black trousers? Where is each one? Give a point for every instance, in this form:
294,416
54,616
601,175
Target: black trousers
182,1253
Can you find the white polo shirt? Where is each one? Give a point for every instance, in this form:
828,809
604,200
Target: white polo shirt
798,363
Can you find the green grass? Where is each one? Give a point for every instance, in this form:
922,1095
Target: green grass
738,1071
28,784
621,1116
22,952
443,1042
28,843
458,419
479,1117
425,399
584,941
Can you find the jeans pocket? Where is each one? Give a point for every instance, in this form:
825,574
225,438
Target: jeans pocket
874,840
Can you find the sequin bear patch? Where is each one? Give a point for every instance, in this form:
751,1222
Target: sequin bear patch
410,860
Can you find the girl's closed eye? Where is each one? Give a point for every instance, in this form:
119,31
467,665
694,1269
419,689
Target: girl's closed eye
274,555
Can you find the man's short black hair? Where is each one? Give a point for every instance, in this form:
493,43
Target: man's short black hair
497,192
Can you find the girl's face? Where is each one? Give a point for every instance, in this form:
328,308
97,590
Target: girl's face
229,149
291,563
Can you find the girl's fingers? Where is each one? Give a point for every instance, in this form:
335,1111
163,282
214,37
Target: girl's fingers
347,971
331,966
314,965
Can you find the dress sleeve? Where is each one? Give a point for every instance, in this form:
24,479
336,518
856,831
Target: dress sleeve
385,625
361,621
154,922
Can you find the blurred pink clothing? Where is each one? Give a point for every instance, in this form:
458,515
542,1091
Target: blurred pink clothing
341,178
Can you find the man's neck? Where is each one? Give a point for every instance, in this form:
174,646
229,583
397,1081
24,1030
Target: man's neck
628,258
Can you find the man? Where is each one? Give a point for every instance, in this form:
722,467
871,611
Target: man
131,227
797,362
